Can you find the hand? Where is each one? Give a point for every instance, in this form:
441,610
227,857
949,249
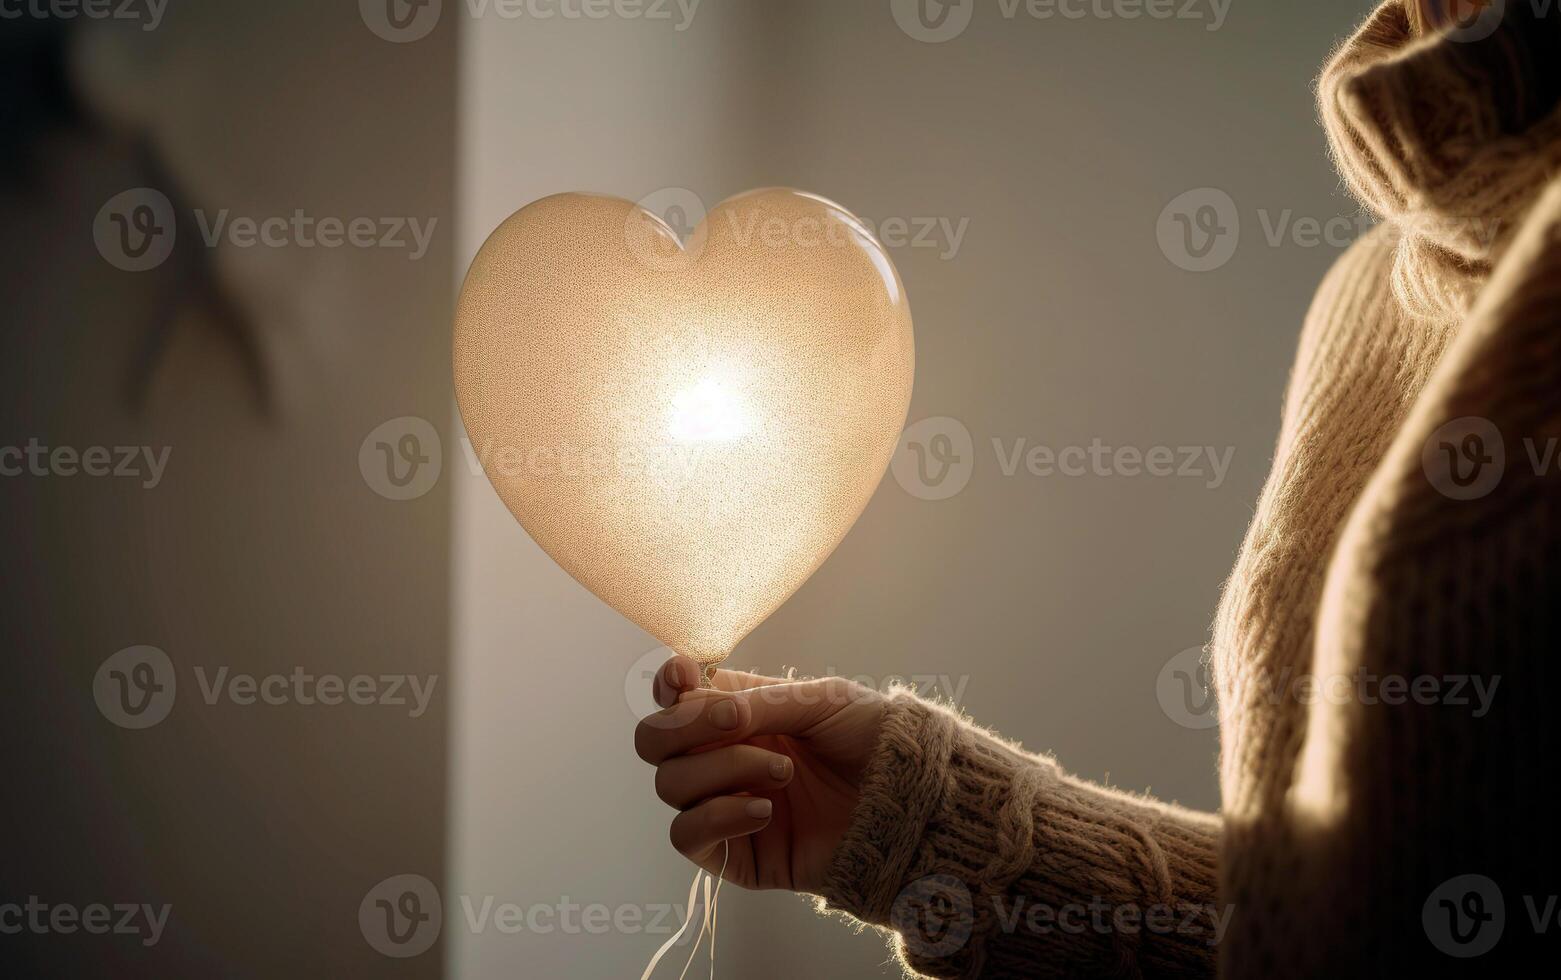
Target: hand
772,767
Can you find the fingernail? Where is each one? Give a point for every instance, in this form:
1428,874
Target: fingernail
780,766
760,809
724,715
670,673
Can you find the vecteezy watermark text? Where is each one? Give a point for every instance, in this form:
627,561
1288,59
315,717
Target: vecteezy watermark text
403,915
1098,459
1185,691
935,21
301,687
1199,230
403,21
97,918
937,456
122,462
935,915
136,688
942,233
148,12
302,230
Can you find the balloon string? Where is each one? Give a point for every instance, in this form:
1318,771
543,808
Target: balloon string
701,877
715,902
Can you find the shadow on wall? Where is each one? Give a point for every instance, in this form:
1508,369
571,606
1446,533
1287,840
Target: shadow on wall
189,620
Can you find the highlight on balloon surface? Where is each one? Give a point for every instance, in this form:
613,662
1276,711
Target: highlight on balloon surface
687,428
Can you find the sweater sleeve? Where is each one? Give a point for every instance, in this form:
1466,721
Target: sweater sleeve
983,860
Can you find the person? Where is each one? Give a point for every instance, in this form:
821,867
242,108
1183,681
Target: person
1404,555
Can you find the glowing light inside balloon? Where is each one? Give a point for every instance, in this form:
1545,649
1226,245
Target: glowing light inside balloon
710,411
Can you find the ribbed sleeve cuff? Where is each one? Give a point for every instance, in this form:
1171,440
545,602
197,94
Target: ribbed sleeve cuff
984,860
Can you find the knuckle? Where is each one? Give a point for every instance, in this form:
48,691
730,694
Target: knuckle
663,783
839,690
681,834
751,763
644,738
729,766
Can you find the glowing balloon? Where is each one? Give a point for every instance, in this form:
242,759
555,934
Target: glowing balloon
689,430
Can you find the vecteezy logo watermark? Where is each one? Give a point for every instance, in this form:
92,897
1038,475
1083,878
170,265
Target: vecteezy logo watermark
680,215
934,459
135,688
401,21
674,236
401,459
1186,691
934,916
401,916
134,462
1465,458
1199,229
640,679
1464,916
794,688
936,456
1467,21
148,12
135,230
934,21
99,919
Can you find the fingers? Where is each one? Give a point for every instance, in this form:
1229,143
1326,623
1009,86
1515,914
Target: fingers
680,675
687,779
676,676
706,718
697,832
699,718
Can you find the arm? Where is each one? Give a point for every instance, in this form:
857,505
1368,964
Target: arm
985,860
978,858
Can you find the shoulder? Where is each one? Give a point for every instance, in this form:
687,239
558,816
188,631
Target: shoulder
1355,294
1357,286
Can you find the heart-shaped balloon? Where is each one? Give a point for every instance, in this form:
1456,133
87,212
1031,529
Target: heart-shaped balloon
689,429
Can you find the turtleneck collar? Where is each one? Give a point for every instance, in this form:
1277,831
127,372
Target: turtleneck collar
1448,137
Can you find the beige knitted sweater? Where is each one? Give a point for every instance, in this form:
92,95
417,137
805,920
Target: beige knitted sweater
1411,528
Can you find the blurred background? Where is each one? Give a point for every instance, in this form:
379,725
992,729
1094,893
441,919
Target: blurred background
290,693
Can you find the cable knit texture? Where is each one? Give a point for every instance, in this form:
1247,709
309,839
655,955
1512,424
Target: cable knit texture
1383,652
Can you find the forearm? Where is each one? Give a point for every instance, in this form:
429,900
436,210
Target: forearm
986,860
